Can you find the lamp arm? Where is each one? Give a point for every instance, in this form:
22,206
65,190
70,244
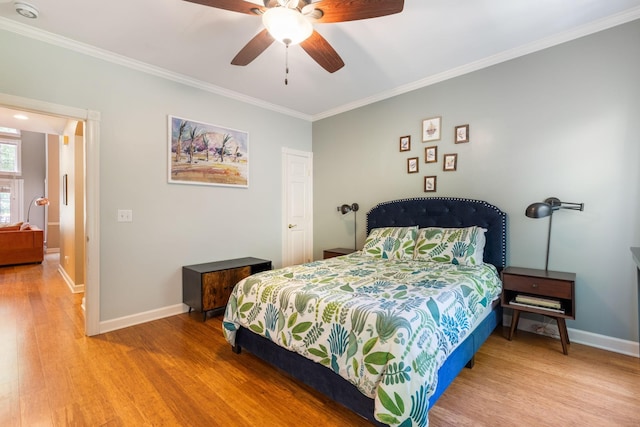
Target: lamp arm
38,201
355,228
29,210
546,263
571,206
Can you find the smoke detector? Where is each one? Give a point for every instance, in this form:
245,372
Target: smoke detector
26,10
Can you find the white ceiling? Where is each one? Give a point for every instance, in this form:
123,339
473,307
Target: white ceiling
33,122
431,40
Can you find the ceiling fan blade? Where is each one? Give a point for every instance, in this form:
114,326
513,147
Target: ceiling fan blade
322,52
240,6
353,10
255,47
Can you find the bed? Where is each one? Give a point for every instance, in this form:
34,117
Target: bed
384,330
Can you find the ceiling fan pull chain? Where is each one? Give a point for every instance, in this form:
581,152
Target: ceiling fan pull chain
286,64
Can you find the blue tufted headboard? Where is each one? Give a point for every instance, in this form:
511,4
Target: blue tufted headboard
447,212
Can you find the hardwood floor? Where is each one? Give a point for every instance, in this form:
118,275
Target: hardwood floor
179,371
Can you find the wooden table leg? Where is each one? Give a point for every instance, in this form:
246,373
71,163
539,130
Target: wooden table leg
515,317
564,336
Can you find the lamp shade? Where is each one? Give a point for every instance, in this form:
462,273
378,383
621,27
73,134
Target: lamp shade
41,201
345,209
538,210
288,26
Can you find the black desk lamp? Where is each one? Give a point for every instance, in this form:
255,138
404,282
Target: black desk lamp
345,209
546,208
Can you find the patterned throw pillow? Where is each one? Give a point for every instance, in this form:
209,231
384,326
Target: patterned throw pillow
459,246
391,242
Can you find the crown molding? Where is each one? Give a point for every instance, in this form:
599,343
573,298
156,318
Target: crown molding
86,49
576,33
64,42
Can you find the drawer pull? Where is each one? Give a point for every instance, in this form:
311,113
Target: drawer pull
534,285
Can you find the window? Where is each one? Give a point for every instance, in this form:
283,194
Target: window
5,205
10,131
11,191
10,159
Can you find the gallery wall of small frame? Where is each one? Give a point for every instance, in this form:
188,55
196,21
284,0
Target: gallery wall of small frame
462,134
431,154
405,143
432,132
450,162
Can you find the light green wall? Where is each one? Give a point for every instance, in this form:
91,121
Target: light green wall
173,225
561,122
569,111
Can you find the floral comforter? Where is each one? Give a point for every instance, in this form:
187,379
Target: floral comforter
384,325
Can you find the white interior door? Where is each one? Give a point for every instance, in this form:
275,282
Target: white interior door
297,179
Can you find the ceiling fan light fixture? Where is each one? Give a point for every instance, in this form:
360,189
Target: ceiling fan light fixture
288,26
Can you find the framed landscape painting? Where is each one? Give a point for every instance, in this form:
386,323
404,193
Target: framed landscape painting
205,154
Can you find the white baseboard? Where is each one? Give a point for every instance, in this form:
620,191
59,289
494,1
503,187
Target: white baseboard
138,318
52,251
616,345
75,289
550,328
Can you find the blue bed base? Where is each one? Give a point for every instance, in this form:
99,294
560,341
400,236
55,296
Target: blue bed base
424,212
338,389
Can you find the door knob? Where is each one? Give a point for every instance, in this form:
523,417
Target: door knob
293,225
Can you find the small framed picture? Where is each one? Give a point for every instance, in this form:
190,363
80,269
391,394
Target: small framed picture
412,165
431,154
450,162
405,143
430,184
462,134
431,129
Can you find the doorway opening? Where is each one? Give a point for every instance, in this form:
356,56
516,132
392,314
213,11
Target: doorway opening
86,180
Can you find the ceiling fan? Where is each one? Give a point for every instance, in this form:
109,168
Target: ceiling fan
290,22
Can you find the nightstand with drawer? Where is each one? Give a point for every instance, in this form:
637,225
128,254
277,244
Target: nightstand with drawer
536,291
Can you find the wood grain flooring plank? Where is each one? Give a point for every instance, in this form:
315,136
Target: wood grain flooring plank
179,371
9,403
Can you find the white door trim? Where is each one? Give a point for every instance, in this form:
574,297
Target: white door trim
92,196
309,226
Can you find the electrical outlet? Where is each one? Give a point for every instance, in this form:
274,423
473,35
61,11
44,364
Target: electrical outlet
125,215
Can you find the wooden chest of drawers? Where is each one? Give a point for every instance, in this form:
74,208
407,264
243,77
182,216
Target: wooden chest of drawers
207,287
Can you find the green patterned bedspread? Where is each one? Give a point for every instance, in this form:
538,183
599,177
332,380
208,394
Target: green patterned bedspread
384,325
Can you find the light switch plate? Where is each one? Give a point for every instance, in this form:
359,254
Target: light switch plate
125,215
